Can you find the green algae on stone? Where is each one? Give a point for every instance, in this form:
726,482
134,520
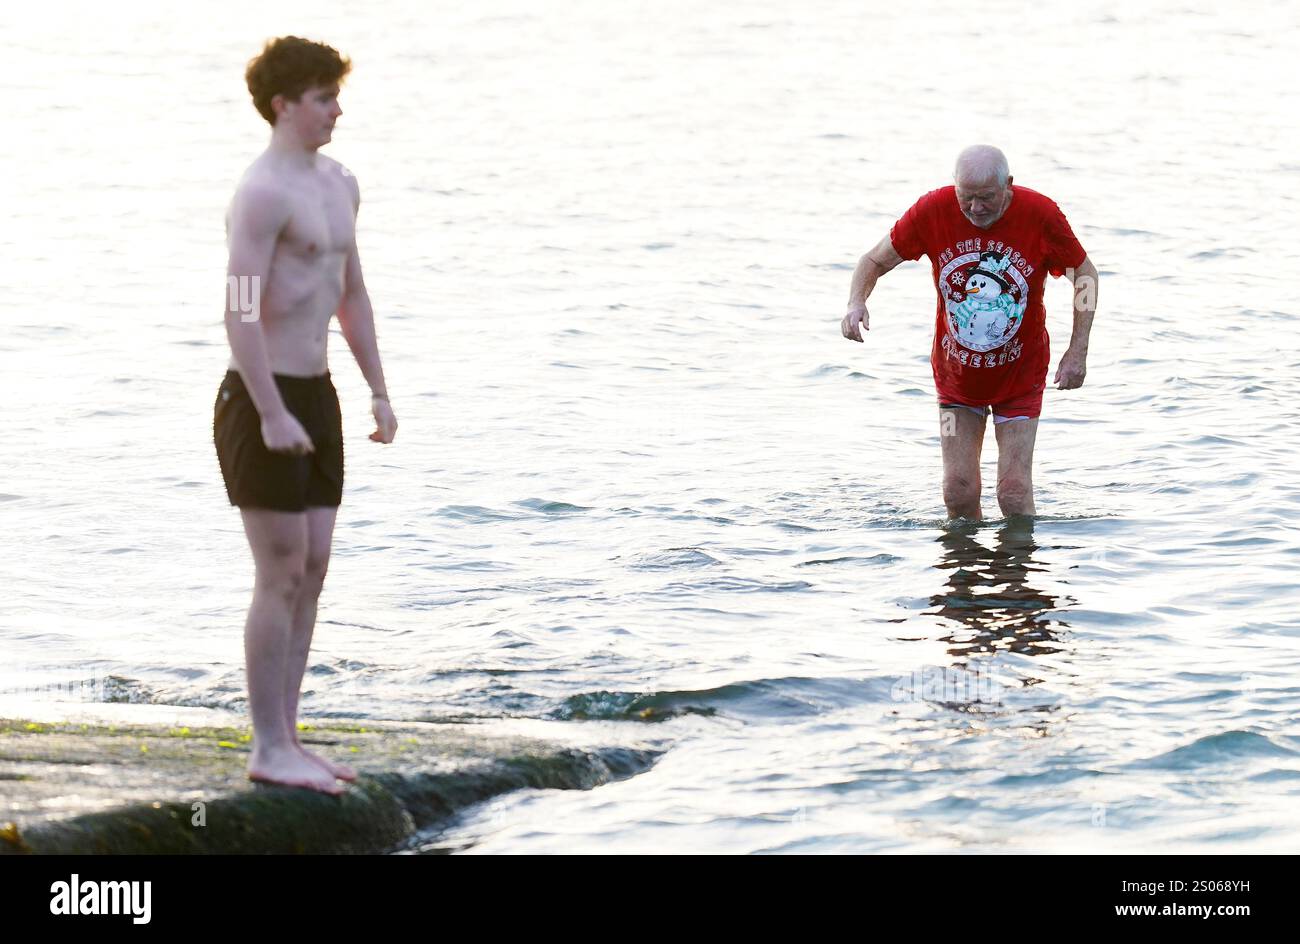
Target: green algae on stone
91,788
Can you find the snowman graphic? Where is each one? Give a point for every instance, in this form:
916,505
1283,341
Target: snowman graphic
985,313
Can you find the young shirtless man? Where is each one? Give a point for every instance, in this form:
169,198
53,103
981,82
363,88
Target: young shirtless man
991,245
291,229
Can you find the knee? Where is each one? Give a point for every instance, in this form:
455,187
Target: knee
1014,490
283,572
960,490
286,582
314,570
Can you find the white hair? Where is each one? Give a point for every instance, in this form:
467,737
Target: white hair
982,163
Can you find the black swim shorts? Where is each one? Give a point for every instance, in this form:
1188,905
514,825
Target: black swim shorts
255,477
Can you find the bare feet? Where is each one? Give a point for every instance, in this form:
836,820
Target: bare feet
287,767
341,771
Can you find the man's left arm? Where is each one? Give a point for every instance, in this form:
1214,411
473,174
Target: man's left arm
357,321
1074,361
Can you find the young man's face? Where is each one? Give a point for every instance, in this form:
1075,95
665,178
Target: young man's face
312,117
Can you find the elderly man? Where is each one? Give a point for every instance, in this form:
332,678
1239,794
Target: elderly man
991,245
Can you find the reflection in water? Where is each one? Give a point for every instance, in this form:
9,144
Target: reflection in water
988,592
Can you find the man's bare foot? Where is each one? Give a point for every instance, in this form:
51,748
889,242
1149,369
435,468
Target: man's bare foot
341,771
289,768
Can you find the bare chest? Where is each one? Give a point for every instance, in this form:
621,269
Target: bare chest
321,222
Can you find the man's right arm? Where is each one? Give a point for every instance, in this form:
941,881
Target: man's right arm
881,259
257,215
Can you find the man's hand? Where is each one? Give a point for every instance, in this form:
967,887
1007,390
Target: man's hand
856,317
283,433
385,421
1071,371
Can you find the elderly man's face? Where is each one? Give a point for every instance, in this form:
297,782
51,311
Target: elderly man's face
983,201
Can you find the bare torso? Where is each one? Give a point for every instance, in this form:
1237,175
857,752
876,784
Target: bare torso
305,281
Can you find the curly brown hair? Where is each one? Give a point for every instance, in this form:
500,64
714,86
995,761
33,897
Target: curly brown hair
289,66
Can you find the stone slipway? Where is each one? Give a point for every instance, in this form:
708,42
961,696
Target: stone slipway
126,781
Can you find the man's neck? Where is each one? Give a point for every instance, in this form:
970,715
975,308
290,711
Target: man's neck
289,151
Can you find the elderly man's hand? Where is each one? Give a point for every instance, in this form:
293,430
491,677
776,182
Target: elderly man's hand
1072,370
857,317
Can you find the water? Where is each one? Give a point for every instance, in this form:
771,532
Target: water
642,489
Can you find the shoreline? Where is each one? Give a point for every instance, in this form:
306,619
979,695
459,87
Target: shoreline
130,780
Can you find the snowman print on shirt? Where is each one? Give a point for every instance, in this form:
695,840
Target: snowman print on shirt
985,299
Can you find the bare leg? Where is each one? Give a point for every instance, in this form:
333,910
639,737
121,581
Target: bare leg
320,533
279,543
961,435
1015,465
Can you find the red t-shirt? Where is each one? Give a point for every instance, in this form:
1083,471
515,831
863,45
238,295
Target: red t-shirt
990,338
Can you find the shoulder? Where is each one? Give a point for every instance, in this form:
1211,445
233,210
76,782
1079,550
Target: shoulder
328,163
930,205
349,179
937,199
261,182
260,195
1039,202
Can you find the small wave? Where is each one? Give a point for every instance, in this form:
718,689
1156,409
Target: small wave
548,507
742,585
795,527
1052,777
873,559
116,689
673,558
1217,749
757,700
836,370
474,513
626,706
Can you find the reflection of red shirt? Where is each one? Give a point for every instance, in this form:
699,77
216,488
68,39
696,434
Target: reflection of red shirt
990,339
